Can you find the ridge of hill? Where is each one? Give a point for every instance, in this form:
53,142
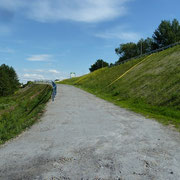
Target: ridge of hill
149,85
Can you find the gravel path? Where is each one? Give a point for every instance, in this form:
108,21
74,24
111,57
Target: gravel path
83,137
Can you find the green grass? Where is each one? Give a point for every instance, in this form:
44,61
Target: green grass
21,110
152,88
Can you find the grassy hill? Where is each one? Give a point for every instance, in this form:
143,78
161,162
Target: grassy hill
21,110
150,87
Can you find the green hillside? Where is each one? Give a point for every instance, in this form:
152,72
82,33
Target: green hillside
151,87
21,110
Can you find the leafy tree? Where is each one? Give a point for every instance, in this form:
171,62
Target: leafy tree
126,51
130,50
98,64
9,82
145,45
167,33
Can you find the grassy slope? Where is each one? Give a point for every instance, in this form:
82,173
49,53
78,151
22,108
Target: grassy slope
21,110
151,88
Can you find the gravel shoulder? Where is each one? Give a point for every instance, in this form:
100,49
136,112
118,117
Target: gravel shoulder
83,137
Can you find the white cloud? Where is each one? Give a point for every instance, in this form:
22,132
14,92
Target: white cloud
121,33
54,71
42,74
40,57
75,10
33,76
39,70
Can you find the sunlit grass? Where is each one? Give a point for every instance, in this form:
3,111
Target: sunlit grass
20,111
152,88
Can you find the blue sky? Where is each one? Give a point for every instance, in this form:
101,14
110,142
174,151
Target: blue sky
48,39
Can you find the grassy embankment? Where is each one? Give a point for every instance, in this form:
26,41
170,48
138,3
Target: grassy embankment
21,110
152,88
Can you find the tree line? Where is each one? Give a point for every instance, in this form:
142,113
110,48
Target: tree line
9,82
168,32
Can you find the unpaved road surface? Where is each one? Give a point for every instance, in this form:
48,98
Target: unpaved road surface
82,137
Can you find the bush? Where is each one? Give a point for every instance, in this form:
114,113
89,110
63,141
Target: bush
9,82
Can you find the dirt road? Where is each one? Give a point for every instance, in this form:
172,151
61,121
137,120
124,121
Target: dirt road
82,137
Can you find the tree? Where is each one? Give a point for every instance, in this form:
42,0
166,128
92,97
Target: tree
167,33
145,45
98,64
9,82
126,51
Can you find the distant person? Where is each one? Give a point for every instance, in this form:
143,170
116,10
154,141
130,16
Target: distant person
54,90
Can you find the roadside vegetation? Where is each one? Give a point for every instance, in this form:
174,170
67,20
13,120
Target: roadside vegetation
167,33
150,84
9,82
19,107
98,64
151,88
20,110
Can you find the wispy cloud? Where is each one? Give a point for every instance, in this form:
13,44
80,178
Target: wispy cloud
40,57
6,50
75,10
121,33
53,71
42,74
33,76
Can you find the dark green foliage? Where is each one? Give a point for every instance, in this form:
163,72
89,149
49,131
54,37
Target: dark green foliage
21,110
145,46
130,50
9,82
167,33
126,51
98,64
27,84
